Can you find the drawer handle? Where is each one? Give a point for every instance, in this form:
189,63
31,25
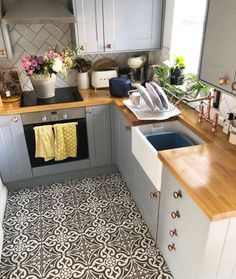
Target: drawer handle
82,47
177,195
173,233
171,247
175,214
153,195
109,46
127,128
14,119
233,85
2,52
223,80
89,110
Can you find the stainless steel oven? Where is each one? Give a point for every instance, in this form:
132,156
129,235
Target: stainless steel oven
30,120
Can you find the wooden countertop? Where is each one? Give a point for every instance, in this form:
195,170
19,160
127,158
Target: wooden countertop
207,172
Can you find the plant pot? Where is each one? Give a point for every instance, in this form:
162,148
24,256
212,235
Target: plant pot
44,85
83,81
177,76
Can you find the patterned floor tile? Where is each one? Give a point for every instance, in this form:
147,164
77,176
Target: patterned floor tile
78,229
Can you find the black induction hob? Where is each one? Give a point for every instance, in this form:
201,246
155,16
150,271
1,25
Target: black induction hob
62,95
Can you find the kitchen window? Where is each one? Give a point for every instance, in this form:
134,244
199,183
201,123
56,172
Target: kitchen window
187,32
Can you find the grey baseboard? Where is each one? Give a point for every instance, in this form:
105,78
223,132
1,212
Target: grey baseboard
47,179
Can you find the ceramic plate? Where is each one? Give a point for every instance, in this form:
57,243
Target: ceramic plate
144,94
161,94
154,96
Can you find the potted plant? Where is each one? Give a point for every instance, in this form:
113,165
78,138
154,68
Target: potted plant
177,71
82,66
42,70
161,74
195,87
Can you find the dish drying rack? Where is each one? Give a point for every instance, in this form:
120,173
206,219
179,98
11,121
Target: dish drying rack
143,111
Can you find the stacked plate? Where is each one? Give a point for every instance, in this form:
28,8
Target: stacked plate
154,96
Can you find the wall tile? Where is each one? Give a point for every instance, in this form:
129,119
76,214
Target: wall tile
41,37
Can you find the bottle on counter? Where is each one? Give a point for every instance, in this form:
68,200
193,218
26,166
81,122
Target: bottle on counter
216,99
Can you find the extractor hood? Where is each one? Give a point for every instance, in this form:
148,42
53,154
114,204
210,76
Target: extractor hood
37,11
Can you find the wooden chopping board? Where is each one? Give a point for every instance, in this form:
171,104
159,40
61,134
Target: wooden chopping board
105,63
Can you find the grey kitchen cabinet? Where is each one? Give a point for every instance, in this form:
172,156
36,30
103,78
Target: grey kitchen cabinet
89,25
122,146
14,158
99,135
147,199
145,194
132,24
5,43
117,25
218,66
193,246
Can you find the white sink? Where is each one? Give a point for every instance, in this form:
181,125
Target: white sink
146,153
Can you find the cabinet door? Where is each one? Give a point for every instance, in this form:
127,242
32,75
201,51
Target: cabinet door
147,199
219,56
125,157
99,135
132,24
89,25
14,158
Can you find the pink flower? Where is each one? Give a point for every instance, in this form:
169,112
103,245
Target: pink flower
51,54
40,60
30,72
34,63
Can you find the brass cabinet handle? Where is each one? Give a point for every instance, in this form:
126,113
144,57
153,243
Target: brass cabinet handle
82,47
171,247
175,214
14,119
223,80
89,110
177,194
109,46
233,85
153,195
2,52
127,128
173,233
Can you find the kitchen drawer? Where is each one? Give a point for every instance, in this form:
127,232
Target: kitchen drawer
183,262
185,203
186,225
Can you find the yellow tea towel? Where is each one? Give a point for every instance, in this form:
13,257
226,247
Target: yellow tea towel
65,140
44,142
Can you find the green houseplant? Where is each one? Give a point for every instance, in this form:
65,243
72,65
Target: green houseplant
161,74
177,71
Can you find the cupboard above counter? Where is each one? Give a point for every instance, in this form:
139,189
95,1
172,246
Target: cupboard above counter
117,25
218,65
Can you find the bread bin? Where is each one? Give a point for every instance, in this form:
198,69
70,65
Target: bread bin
100,78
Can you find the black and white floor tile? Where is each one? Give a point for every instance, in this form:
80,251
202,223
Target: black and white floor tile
84,228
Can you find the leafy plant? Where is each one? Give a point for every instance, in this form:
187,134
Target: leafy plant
162,72
179,63
82,65
194,86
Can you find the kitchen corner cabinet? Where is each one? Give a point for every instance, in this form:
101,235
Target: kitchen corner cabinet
5,43
145,194
219,55
117,25
14,159
194,247
99,135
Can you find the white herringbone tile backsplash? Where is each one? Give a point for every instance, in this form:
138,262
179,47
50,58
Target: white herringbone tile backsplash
39,38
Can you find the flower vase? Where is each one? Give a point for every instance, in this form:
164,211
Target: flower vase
83,80
44,85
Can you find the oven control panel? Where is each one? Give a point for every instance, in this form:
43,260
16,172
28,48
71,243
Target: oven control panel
52,116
